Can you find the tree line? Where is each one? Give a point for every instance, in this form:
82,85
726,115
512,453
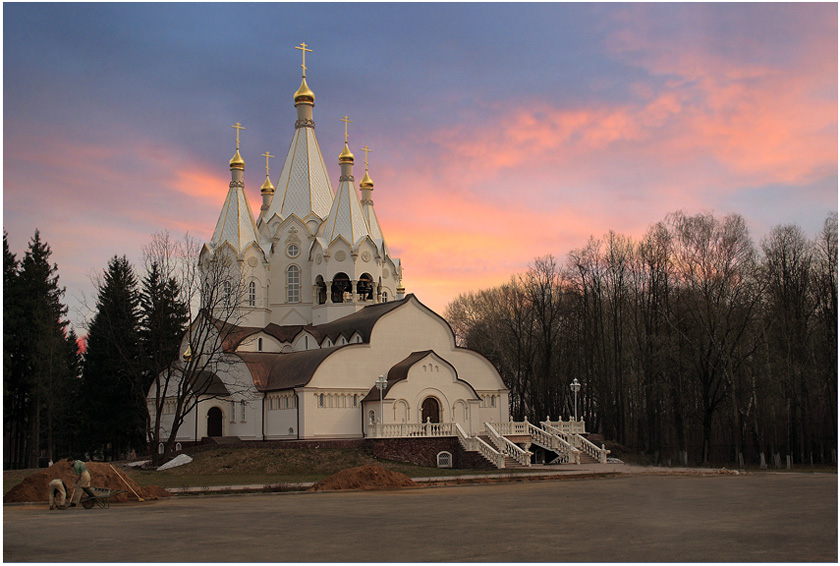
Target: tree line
59,399
129,388
691,344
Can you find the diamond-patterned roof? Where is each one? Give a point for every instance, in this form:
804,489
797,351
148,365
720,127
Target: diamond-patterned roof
236,222
373,228
304,185
346,218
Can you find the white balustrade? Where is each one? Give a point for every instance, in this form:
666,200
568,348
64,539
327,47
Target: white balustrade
507,447
397,430
554,442
599,454
570,427
475,444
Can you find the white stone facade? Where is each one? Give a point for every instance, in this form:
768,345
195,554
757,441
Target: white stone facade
324,314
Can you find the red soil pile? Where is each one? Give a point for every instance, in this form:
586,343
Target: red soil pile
36,487
364,477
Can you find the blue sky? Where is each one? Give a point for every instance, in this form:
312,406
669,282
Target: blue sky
500,132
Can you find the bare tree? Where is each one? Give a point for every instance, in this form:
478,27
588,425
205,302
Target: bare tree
213,286
715,262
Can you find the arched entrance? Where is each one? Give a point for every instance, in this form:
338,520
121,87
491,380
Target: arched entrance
430,410
214,422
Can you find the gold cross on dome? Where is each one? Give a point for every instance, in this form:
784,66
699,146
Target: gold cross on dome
367,150
346,121
266,155
303,50
238,127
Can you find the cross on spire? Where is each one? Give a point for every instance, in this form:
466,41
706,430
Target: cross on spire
266,155
367,150
346,121
238,127
303,50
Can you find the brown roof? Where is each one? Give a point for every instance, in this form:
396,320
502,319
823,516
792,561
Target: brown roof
209,384
272,371
361,321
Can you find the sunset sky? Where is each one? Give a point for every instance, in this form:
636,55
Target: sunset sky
500,132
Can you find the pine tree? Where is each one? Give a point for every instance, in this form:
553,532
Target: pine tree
35,355
112,367
163,322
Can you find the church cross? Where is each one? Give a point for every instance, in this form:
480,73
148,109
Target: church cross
266,155
366,149
346,121
238,127
303,50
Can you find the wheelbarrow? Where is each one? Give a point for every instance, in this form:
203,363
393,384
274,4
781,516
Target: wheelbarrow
98,496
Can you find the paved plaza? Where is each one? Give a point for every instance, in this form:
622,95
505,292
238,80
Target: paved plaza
767,517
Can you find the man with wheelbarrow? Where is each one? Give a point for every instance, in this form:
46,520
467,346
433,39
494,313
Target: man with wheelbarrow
83,482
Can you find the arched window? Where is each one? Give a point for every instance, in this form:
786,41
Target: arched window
252,294
259,344
321,400
364,287
355,400
384,296
293,284
322,290
340,285
227,292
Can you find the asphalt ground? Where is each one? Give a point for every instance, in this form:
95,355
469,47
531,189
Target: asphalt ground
761,517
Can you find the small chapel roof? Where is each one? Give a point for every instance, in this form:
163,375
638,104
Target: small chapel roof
399,372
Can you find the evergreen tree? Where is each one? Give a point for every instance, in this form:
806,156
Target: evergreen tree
35,352
163,322
112,367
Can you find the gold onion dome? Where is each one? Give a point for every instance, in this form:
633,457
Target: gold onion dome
267,187
367,182
237,162
346,156
304,94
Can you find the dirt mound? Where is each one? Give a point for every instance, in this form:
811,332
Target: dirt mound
36,486
364,477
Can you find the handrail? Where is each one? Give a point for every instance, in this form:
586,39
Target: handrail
507,447
554,442
395,430
599,454
571,426
567,436
476,444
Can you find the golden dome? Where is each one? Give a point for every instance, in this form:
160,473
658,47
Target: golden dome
367,182
237,162
346,156
267,187
304,94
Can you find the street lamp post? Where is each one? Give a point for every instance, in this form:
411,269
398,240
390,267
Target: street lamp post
381,383
575,388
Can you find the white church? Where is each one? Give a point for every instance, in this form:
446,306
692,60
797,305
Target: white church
328,345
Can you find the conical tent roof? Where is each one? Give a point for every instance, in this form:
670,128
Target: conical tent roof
236,224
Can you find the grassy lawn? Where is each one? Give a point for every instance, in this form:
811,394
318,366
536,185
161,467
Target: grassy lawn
247,465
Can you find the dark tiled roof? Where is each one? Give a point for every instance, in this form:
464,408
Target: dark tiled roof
361,321
397,373
273,371
208,383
